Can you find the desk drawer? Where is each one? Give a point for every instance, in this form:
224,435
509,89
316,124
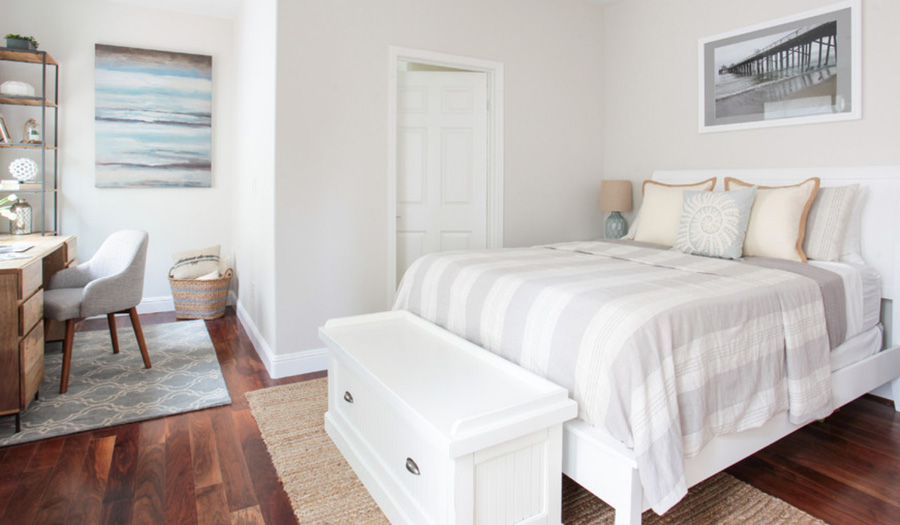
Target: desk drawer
31,359
71,250
31,277
30,312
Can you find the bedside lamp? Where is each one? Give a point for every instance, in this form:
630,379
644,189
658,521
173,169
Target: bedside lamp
615,197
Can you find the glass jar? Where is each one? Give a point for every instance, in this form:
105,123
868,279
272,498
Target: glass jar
23,222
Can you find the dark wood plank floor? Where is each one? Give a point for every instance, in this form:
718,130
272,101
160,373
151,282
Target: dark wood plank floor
211,466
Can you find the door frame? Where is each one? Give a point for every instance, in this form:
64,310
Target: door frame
494,73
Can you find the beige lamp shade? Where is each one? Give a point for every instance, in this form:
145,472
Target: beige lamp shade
615,195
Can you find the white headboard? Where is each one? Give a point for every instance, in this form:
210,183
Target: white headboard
880,187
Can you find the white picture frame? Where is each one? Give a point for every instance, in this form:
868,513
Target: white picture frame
800,69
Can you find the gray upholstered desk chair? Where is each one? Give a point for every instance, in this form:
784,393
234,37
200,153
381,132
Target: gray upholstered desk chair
111,282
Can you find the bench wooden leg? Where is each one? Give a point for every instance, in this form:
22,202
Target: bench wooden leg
67,356
139,334
111,318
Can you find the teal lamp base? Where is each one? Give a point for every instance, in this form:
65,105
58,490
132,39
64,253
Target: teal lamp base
616,227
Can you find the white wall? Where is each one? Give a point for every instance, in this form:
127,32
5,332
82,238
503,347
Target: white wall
253,199
176,219
651,85
331,154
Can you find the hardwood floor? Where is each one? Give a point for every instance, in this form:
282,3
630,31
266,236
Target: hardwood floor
843,470
211,466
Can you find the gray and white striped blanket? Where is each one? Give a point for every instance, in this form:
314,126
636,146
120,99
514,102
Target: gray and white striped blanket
661,349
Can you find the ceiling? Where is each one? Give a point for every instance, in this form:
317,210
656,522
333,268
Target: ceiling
217,8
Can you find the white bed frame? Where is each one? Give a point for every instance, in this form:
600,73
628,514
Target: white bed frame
608,469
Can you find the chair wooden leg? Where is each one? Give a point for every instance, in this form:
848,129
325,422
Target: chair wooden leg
112,332
18,422
67,356
139,334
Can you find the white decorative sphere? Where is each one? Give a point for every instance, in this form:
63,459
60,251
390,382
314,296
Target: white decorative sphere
23,169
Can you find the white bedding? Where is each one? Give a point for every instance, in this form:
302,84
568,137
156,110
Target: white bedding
862,291
637,333
857,348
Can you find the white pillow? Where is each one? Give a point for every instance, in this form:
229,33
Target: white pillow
714,223
195,263
660,213
852,249
778,219
826,226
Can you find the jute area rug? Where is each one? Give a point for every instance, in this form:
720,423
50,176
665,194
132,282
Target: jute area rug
323,488
108,389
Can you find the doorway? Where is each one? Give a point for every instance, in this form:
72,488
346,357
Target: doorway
446,156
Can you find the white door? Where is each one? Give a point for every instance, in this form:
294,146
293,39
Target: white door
441,163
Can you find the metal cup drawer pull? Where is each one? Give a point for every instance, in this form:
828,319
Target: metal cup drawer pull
412,467
348,397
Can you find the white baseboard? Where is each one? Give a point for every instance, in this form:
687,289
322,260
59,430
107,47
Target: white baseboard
282,365
884,391
152,305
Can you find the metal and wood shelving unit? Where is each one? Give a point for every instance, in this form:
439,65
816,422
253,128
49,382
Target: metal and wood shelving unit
48,215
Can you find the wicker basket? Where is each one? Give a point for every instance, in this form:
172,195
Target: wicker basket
200,299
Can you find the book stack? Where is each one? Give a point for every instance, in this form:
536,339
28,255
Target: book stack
14,185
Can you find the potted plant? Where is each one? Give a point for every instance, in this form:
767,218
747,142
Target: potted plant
6,204
14,41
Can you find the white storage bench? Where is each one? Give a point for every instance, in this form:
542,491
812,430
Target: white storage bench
440,430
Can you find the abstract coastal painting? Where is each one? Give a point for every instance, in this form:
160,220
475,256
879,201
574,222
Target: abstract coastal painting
795,70
153,115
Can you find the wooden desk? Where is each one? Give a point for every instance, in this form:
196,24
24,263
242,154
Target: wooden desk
21,316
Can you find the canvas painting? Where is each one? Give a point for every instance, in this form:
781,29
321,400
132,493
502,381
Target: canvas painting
802,69
153,116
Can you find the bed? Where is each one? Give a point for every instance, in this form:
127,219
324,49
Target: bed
817,361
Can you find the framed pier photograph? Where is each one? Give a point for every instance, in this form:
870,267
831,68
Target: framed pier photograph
800,69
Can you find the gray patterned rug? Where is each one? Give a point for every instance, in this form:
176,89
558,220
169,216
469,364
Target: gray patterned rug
110,389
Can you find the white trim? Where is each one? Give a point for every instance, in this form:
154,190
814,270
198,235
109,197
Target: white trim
884,392
855,112
281,365
494,71
152,305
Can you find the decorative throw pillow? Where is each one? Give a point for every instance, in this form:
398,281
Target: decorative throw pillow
660,213
195,263
778,219
851,252
714,223
826,226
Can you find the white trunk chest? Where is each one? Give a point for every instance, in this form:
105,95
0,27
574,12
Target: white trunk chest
440,430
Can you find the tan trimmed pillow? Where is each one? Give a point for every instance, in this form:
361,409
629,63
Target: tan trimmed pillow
660,213
778,219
